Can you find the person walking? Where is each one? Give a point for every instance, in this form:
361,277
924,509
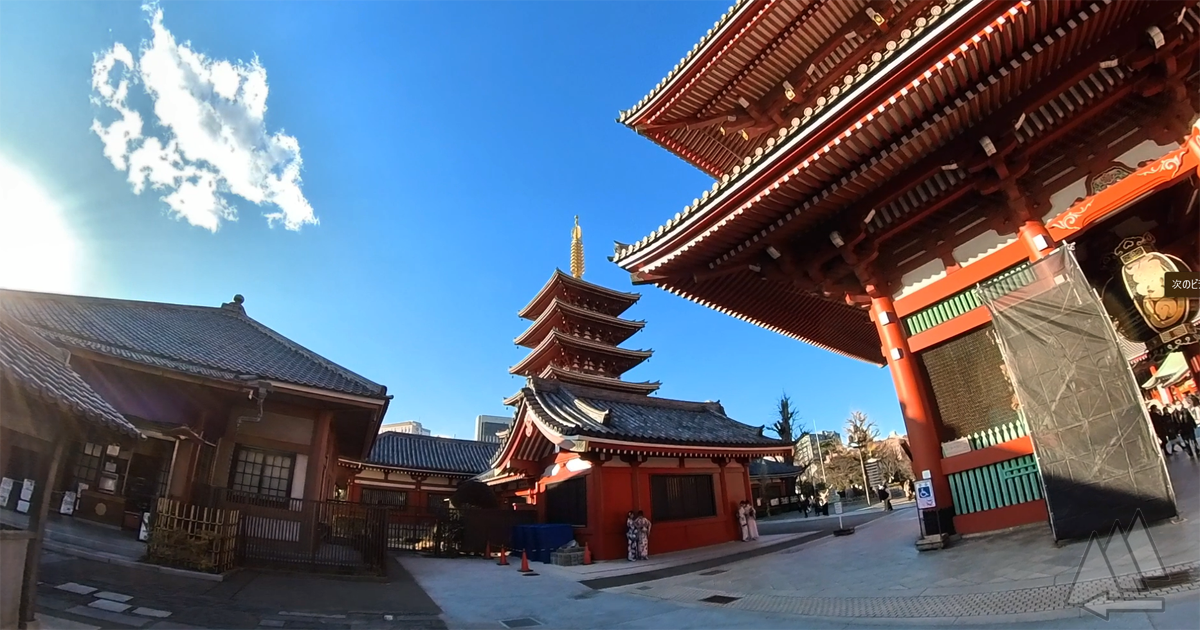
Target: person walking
1185,428
1160,429
642,525
885,497
631,536
804,505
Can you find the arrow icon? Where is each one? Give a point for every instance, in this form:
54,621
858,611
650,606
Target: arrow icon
1102,607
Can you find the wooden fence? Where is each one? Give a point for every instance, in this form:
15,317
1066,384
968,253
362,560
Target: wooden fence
193,537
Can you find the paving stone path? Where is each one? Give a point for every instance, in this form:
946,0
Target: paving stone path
1057,597
103,596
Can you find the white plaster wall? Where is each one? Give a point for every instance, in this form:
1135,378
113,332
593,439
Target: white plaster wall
274,426
924,275
979,247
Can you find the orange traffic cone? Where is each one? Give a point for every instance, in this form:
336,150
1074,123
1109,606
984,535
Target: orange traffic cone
525,563
587,554
503,557
487,551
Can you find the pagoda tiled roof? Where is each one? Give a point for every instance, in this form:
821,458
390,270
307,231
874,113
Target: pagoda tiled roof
559,308
220,343
35,366
562,281
576,411
557,340
425,453
595,380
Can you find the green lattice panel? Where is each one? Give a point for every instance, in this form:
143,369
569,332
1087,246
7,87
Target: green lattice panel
998,485
960,303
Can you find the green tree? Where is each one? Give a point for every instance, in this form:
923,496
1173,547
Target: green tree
788,427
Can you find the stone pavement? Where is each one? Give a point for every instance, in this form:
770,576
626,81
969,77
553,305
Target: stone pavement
110,596
875,577
475,594
877,573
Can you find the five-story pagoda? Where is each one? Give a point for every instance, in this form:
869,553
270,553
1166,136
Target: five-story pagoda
576,331
587,447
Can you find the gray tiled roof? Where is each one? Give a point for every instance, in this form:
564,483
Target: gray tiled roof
596,413
220,343
34,368
434,454
773,469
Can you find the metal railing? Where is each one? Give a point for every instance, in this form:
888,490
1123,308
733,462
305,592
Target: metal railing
304,535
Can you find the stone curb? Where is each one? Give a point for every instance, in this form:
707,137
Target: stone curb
108,558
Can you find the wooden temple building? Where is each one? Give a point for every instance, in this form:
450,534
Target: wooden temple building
874,161
227,412
587,447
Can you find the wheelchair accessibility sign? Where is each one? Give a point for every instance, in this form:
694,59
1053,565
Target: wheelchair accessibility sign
925,499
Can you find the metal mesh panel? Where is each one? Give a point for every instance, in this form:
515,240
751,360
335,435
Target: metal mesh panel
1099,459
969,386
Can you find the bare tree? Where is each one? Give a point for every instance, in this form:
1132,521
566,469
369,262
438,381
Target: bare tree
861,435
788,427
842,470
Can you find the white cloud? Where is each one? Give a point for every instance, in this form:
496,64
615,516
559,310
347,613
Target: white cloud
214,142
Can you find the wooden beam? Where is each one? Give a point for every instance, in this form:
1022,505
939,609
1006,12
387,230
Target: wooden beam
997,122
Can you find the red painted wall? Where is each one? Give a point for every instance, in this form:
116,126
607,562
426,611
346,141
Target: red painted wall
607,537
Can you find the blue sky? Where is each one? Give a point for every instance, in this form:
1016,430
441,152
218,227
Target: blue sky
445,149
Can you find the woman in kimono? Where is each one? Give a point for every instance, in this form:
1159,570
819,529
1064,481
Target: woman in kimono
751,521
631,537
743,521
642,525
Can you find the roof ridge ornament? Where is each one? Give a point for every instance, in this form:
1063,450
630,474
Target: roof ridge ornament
577,250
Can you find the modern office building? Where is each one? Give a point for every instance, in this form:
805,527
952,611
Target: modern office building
806,449
489,428
410,426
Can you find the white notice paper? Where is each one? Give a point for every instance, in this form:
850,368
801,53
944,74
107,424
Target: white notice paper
6,485
68,503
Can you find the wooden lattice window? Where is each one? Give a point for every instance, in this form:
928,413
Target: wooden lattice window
382,496
566,502
681,497
261,472
87,465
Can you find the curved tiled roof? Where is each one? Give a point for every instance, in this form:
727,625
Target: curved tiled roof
801,126
33,367
688,58
773,469
221,343
588,412
433,454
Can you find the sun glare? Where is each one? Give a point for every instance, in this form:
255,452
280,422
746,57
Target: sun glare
38,252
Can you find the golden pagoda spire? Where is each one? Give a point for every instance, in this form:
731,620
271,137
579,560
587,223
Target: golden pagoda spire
577,250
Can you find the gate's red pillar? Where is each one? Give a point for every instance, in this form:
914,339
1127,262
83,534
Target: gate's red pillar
1036,238
919,418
